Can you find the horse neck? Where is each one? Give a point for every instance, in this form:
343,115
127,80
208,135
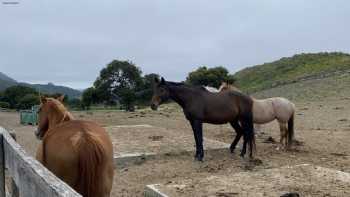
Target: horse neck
56,118
179,94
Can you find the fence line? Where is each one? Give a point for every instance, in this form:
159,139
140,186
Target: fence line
30,177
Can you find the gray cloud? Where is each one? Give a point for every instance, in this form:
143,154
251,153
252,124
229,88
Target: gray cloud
68,42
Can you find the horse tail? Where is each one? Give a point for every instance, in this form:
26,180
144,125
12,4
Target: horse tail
251,134
91,156
291,130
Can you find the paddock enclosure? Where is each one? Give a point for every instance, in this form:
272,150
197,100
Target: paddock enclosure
154,155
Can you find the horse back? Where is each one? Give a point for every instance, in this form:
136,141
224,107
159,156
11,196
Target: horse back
77,149
226,106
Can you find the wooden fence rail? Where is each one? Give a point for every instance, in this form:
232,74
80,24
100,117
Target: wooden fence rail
31,179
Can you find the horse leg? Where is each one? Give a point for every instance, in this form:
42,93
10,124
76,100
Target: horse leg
198,137
248,136
239,133
283,134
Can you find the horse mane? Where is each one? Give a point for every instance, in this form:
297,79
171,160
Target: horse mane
175,83
227,86
61,108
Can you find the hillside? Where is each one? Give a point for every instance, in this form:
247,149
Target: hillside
6,81
293,69
49,88
336,87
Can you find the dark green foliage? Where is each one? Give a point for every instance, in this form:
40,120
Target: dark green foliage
145,91
209,77
4,104
28,101
74,103
89,97
16,94
290,69
128,99
118,82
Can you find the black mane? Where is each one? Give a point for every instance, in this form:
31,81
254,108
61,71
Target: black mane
198,87
175,83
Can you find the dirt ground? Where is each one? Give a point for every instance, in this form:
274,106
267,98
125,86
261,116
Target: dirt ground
322,128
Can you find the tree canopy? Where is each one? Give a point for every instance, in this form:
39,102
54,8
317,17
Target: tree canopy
209,76
17,97
120,79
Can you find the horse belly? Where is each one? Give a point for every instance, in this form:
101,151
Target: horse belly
222,116
263,112
284,109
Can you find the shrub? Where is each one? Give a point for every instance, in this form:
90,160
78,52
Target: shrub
4,104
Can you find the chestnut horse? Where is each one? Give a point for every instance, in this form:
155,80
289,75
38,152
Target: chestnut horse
78,152
267,110
201,106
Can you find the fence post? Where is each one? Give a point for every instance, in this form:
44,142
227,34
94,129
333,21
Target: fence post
2,165
13,187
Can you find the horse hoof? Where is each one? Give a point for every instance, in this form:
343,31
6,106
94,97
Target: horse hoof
198,159
293,194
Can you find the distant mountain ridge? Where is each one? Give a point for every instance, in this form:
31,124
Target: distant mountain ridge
6,78
50,88
293,69
6,81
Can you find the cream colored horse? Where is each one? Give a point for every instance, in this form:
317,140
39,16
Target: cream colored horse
267,110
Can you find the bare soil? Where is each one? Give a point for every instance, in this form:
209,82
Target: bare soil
322,129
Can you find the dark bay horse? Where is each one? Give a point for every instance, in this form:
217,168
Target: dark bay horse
78,152
201,106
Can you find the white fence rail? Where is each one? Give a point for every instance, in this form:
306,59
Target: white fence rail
31,179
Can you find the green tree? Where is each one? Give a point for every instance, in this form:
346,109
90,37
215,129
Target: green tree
209,77
74,103
89,97
121,78
145,92
4,104
14,94
128,98
28,101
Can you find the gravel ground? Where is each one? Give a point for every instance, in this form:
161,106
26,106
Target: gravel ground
322,128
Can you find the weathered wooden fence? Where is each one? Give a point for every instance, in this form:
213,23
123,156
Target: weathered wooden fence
29,178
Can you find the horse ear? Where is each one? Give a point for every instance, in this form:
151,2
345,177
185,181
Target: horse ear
43,99
162,81
61,98
156,80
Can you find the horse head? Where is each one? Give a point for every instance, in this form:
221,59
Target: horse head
226,86
160,93
51,112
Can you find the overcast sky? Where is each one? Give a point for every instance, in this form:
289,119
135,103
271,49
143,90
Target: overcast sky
68,42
